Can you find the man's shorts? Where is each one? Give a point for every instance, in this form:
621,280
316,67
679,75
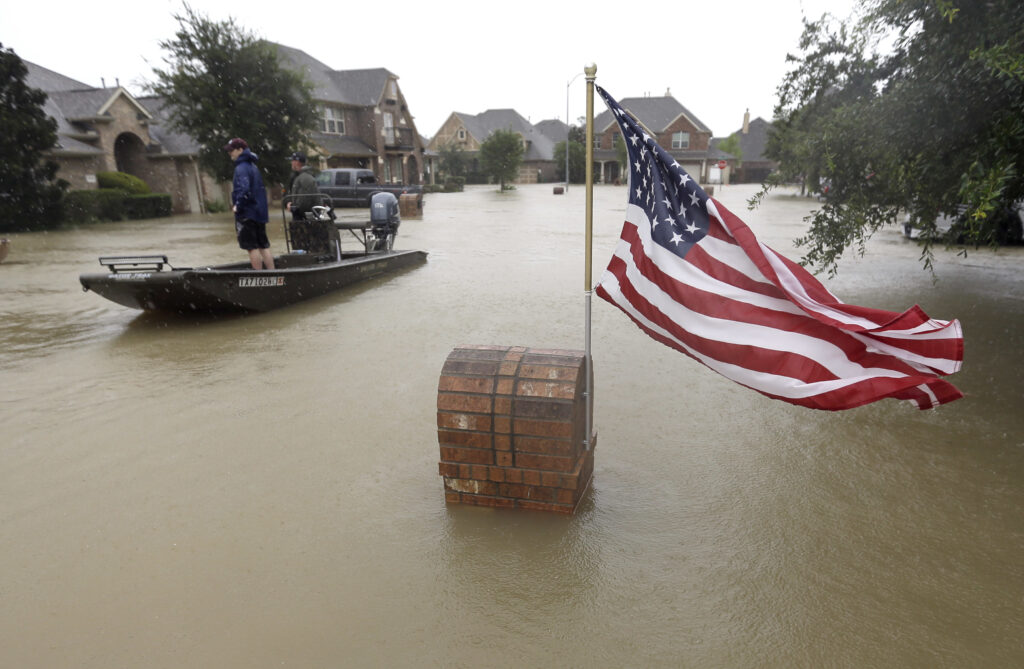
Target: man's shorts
252,235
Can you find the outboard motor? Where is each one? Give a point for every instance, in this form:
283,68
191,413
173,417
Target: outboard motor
384,221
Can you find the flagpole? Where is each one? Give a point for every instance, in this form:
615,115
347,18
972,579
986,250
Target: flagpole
591,72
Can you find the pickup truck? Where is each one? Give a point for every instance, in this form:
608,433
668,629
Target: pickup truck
351,187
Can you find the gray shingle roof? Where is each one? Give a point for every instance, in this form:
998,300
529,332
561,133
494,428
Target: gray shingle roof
482,126
359,88
173,142
553,129
753,143
655,113
48,80
85,104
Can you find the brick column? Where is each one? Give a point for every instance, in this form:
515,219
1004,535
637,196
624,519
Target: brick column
510,425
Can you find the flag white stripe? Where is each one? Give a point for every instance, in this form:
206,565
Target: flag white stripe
773,384
822,351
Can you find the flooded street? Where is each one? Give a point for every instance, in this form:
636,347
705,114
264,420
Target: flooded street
263,491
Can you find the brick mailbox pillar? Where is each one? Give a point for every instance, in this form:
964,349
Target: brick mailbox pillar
510,424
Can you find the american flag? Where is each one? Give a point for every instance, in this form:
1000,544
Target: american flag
693,276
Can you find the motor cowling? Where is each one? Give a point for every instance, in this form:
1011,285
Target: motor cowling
384,219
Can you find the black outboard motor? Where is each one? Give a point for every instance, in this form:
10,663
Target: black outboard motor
384,221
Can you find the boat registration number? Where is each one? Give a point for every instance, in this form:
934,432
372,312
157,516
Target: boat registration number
260,281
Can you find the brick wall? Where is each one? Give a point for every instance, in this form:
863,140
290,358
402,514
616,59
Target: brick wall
510,426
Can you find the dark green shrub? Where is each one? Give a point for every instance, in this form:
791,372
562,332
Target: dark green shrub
454,184
101,204
147,206
126,182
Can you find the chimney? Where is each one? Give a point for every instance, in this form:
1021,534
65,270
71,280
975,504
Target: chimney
668,92
746,121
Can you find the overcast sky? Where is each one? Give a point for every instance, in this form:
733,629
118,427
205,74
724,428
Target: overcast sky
717,57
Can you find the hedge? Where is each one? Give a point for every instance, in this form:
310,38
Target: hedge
154,205
129,183
111,204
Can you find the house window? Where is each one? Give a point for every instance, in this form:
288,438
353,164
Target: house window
597,141
680,140
332,121
462,134
616,138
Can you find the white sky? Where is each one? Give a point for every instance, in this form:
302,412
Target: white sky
718,57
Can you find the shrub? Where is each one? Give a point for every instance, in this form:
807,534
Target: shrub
121,181
147,206
101,204
216,206
454,184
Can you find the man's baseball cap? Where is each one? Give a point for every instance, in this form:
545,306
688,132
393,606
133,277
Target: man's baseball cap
236,143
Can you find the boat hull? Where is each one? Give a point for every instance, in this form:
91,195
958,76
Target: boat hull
236,288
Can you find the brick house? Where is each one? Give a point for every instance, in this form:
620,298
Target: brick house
752,166
107,129
673,127
469,131
364,120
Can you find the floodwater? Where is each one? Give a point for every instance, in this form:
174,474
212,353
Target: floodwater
262,491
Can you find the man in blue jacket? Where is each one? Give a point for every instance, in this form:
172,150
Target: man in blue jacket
249,202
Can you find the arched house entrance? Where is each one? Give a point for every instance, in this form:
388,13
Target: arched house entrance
130,156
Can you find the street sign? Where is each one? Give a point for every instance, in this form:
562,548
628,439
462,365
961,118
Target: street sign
722,164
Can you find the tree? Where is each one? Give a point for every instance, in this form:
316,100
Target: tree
222,82
731,145
453,160
501,154
30,193
577,162
932,127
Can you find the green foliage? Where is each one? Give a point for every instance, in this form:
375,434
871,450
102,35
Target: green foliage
216,206
452,160
731,145
918,132
30,193
501,154
454,184
223,82
129,183
154,205
113,204
577,162
89,206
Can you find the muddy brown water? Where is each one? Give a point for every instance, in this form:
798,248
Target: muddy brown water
262,491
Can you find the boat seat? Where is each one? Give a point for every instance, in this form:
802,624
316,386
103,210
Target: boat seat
314,237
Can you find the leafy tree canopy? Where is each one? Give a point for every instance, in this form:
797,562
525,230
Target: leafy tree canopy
933,125
223,82
30,194
577,161
453,160
501,154
731,145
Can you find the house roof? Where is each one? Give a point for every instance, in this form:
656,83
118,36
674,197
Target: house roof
357,88
553,129
482,126
655,113
753,142
49,81
173,142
